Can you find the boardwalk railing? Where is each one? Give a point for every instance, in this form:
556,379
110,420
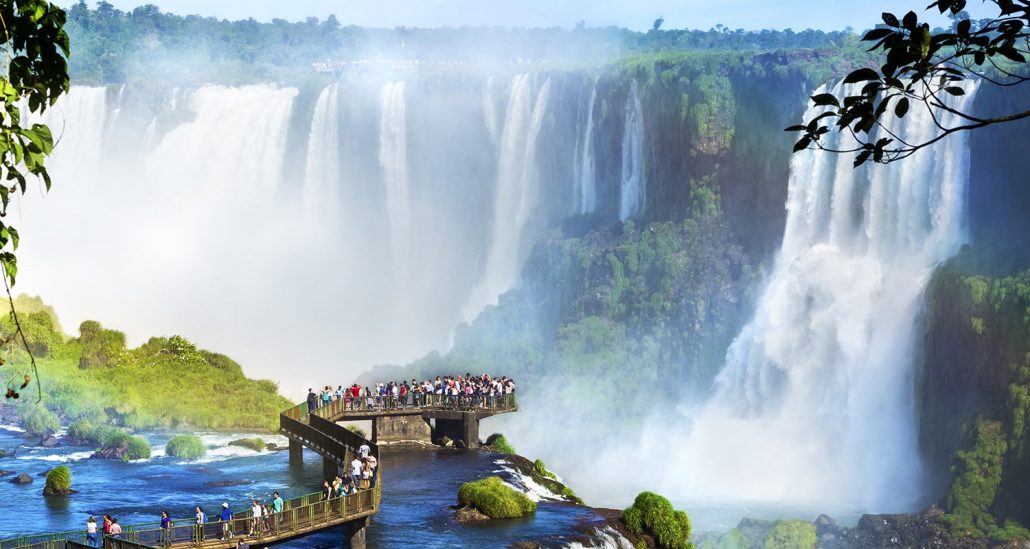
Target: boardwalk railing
300,515
341,407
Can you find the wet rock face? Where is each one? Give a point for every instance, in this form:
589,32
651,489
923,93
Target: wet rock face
22,479
50,491
115,452
49,441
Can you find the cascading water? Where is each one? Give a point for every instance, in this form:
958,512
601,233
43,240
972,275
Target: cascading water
585,194
631,183
815,403
322,168
393,159
515,193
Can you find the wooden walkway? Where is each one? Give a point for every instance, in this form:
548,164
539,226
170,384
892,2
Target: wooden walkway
301,516
317,431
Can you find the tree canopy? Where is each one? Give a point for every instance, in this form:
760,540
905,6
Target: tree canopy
923,68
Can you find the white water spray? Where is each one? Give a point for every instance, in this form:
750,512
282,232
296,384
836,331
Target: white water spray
632,185
515,192
586,185
815,403
393,159
322,168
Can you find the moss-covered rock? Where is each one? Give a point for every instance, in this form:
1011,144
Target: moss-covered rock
790,534
653,515
58,482
497,443
188,447
255,444
495,499
117,444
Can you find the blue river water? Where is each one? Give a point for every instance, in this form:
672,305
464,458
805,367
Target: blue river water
420,487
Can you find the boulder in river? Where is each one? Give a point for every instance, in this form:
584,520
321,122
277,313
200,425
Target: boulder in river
22,479
469,514
227,483
4,473
49,441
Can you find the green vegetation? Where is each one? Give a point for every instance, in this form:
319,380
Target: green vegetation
357,430
37,420
255,444
653,515
541,469
166,383
134,447
495,499
790,534
499,444
973,382
188,447
59,479
146,45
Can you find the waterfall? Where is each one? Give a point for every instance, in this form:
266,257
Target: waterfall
393,159
490,111
585,195
77,123
631,183
815,403
322,166
515,192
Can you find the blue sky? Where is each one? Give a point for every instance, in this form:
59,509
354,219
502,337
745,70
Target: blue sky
634,14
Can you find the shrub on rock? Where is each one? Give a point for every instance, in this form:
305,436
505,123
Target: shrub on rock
495,499
188,447
58,481
653,515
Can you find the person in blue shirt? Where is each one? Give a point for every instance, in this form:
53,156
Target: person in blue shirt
277,509
226,517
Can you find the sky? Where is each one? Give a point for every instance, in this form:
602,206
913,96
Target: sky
633,14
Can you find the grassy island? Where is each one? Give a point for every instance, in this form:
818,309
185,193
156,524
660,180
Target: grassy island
495,499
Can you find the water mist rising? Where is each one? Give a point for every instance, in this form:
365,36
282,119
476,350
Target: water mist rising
815,403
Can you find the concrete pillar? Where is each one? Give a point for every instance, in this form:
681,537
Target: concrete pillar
296,454
470,430
329,469
402,429
375,430
356,532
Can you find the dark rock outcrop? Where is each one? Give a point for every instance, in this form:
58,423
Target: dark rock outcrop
49,441
22,479
469,514
114,452
50,491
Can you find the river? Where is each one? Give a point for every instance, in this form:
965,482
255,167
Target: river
420,486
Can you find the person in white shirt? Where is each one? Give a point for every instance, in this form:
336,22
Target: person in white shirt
363,451
355,471
91,532
255,516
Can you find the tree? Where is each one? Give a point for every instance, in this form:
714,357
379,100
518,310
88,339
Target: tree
657,24
35,47
923,69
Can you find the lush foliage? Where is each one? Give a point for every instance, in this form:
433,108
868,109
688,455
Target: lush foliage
652,514
924,68
255,444
791,534
165,383
59,478
499,444
35,46
495,499
541,469
146,45
187,447
973,383
357,430
134,446
37,420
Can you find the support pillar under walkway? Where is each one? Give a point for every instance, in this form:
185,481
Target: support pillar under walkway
296,454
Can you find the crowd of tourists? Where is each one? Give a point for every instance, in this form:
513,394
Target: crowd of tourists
466,391
264,518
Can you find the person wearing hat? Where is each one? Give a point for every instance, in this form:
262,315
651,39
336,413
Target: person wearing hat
226,517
